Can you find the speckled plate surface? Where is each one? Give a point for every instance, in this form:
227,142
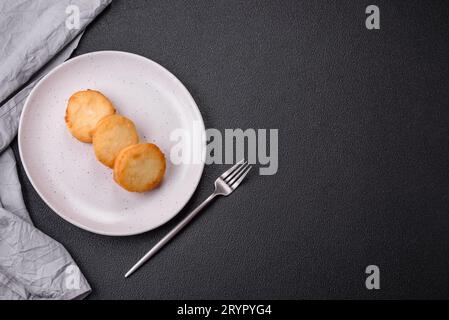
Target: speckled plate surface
65,171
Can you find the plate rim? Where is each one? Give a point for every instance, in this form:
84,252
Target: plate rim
47,202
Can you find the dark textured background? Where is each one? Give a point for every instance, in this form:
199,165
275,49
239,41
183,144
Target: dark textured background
363,175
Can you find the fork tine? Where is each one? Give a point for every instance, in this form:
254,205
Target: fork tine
229,171
242,176
240,179
236,174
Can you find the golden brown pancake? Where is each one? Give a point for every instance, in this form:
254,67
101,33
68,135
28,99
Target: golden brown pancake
140,167
112,134
84,110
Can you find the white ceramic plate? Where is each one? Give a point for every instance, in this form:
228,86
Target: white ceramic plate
64,171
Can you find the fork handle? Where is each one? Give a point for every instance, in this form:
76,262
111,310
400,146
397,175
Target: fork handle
170,235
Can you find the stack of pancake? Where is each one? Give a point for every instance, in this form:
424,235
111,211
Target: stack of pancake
92,118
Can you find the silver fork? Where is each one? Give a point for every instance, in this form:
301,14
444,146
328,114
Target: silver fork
224,186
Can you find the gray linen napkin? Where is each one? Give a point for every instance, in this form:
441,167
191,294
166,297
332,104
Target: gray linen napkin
36,36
